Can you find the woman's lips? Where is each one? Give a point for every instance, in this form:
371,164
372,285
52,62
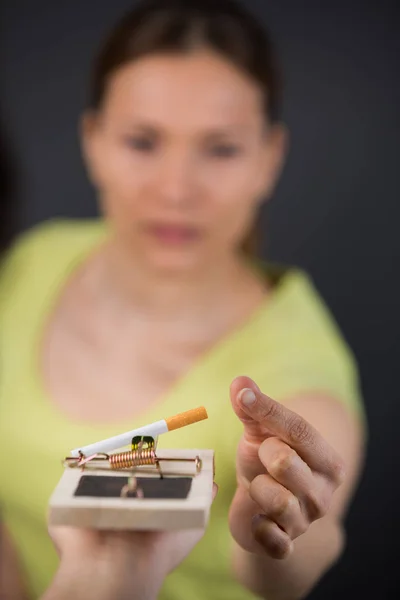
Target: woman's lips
173,234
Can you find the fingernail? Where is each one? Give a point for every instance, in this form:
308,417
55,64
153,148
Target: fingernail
247,397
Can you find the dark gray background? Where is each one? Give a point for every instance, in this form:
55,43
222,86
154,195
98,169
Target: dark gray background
336,211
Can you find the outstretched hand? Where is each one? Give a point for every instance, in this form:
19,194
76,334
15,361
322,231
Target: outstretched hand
117,564
286,473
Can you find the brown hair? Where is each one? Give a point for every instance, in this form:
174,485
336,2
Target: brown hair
182,26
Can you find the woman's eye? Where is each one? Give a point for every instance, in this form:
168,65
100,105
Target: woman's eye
141,144
224,151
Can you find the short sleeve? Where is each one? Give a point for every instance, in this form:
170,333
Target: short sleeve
311,352
15,262
292,347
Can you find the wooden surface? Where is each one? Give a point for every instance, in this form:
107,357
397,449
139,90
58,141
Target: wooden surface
137,513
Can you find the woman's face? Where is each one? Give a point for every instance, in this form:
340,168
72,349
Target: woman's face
182,158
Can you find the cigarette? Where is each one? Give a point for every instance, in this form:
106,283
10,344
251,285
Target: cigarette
153,430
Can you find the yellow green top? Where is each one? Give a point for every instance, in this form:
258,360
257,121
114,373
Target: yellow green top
289,345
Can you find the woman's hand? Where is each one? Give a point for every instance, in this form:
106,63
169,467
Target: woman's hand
116,565
286,474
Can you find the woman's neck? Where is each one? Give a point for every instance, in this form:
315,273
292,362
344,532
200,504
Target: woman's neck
130,285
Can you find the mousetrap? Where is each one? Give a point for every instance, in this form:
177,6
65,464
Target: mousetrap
137,489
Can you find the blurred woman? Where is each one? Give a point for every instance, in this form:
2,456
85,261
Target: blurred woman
162,305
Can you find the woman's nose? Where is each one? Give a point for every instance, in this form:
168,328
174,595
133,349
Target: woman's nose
177,180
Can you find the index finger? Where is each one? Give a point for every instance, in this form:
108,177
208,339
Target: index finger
291,428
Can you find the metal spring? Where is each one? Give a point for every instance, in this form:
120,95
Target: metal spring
133,458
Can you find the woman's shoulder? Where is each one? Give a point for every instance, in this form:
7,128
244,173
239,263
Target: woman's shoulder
55,235
296,296
314,350
55,232
43,250
298,318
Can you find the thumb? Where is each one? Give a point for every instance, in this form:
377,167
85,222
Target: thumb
241,387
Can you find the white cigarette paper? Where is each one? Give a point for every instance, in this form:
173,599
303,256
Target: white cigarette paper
153,430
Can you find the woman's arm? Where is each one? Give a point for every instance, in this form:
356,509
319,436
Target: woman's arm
103,578
11,580
316,550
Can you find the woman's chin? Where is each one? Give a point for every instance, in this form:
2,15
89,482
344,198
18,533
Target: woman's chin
173,265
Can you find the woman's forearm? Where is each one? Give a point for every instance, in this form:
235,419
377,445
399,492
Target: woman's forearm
12,583
294,577
85,579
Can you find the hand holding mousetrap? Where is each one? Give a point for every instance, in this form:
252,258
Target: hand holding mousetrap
139,488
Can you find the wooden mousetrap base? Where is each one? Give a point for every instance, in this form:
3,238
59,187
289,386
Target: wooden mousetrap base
91,498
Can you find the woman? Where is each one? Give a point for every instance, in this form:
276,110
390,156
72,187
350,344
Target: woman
160,306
